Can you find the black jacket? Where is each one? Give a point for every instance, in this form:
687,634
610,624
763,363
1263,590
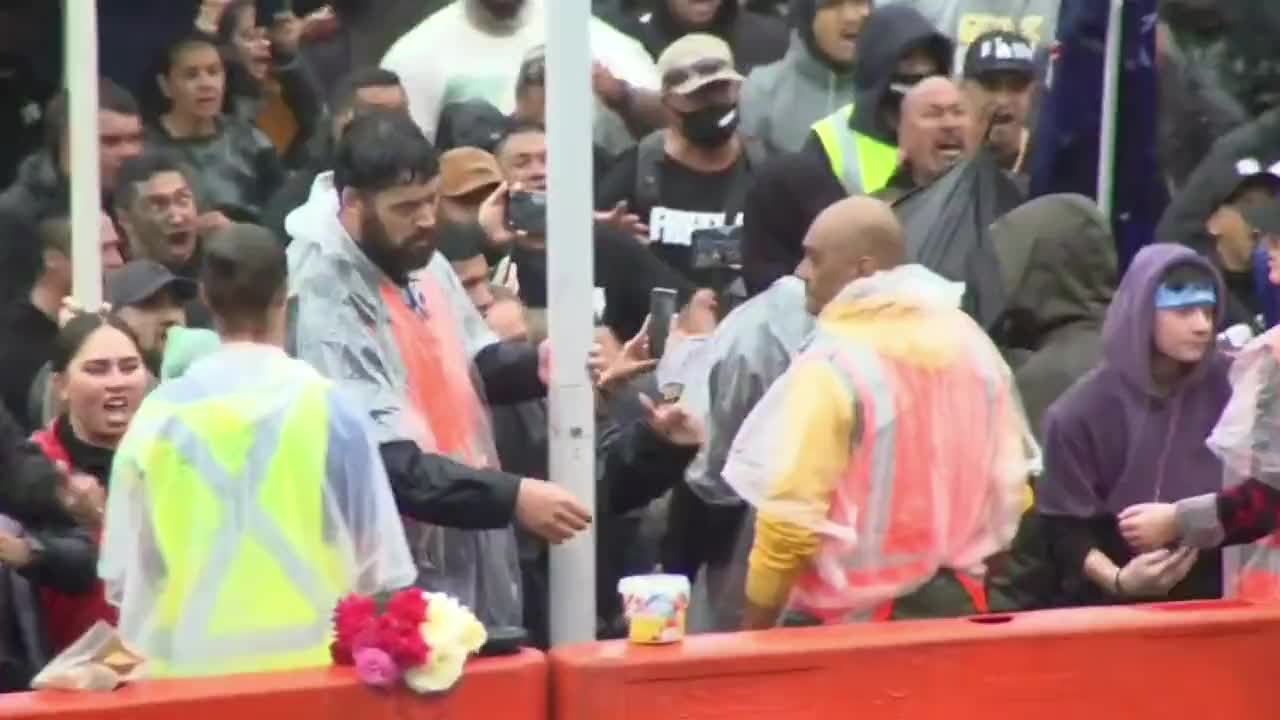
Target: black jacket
28,481
754,38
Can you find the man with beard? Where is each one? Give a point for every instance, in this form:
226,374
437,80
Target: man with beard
401,341
472,49
934,134
696,172
999,81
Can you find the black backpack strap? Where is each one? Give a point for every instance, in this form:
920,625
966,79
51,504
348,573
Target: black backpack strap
649,155
754,156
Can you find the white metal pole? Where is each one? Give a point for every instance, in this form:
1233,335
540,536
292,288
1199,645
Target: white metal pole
570,281
1110,108
80,73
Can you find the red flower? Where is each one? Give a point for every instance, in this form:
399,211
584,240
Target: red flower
409,606
402,641
354,616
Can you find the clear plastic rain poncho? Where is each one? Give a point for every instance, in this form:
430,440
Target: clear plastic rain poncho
1247,440
935,470
246,498
404,354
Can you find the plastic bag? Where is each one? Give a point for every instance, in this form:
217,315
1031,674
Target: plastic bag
98,662
1247,436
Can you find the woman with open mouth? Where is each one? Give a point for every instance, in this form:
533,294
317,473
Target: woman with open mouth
100,379
235,166
268,83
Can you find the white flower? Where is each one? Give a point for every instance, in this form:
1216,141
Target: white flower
442,671
452,632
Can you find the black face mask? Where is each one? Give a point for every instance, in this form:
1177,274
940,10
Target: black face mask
711,126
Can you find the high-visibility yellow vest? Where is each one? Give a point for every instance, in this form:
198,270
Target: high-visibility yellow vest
246,586
862,164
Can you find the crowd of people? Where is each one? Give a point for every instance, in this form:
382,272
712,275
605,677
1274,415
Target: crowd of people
322,367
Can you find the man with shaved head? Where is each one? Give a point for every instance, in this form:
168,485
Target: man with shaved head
890,460
935,132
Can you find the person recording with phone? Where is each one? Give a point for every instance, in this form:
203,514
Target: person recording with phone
514,219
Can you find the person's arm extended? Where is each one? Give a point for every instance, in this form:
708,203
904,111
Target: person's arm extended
641,465
28,481
1100,571
819,422
1236,516
435,489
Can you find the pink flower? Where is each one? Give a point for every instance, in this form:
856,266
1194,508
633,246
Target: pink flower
375,667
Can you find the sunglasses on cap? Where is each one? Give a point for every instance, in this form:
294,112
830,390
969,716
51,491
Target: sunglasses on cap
699,68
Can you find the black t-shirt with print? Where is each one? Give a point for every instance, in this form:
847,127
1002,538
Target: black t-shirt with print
689,199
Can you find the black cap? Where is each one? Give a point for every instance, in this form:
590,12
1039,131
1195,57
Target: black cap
139,280
471,123
1264,218
1231,176
999,51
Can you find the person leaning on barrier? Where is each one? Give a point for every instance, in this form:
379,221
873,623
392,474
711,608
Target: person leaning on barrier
248,495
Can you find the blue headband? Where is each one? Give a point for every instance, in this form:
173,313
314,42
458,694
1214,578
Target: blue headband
1195,295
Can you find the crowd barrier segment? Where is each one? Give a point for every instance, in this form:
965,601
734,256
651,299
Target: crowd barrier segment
1191,660
509,688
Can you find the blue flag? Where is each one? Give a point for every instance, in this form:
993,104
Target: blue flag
1068,134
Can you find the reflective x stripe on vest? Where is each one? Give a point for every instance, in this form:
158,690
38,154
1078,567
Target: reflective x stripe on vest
861,163
886,561
261,594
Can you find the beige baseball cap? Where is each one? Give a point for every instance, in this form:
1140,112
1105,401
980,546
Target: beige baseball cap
695,61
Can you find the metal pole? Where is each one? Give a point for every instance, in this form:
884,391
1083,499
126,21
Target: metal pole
570,283
1110,108
81,80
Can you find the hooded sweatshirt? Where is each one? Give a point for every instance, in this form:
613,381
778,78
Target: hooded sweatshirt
781,101
1058,260
1116,439
965,20
806,177
754,38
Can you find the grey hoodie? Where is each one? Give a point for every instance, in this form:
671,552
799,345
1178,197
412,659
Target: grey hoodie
782,100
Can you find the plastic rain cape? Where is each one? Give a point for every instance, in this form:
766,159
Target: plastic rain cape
1247,440
940,454
349,325
246,498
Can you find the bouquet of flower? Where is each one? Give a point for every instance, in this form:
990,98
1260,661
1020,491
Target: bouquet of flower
422,638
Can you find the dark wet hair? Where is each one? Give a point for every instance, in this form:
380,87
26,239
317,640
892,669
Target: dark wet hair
243,273
111,97
382,149
72,337
138,170
171,53
347,90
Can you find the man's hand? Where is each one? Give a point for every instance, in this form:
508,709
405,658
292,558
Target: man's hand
1149,526
15,552
612,91
632,361
550,511
286,33
673,423
624,221
210,15
493,216
1153,574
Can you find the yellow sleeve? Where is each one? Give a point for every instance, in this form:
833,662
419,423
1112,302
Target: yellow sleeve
814,453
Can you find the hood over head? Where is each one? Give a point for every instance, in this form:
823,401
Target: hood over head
1127,332
801,14
1058,261
887,35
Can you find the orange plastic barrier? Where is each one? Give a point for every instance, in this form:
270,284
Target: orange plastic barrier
513,688
1202,660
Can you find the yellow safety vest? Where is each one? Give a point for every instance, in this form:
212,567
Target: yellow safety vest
246,586
862,164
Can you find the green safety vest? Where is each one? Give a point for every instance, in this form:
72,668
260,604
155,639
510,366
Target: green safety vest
245,587
862,164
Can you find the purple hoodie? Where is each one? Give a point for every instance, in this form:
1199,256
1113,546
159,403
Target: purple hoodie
1113,439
